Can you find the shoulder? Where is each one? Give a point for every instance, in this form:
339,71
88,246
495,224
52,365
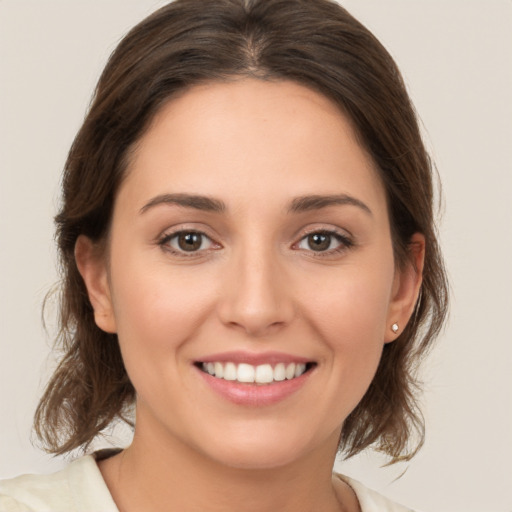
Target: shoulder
77,488
370,500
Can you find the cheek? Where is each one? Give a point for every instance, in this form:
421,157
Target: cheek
349,315
352,307
157,312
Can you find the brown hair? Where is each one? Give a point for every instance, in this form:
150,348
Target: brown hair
315,43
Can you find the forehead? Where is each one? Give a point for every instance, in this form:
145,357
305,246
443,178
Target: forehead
254,139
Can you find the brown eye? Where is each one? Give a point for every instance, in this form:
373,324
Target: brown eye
190,241
187,241
319,241
328,242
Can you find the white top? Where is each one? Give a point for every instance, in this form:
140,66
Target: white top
80,488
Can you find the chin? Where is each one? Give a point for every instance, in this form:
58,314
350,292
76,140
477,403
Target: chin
261,451
257,459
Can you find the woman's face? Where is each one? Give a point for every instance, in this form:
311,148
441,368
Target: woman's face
250,241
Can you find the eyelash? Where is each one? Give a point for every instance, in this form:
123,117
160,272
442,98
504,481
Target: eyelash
345,243
167,238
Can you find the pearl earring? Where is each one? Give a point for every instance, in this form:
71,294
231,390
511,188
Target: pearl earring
394,327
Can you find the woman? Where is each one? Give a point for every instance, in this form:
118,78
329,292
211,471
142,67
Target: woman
249,258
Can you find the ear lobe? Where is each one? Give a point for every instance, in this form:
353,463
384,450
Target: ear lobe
93,269
406,288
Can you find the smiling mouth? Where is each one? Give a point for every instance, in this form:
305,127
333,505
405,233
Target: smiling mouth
250,374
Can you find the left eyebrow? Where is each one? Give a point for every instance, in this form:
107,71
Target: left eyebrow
317,202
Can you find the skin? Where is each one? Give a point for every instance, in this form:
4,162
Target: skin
256,284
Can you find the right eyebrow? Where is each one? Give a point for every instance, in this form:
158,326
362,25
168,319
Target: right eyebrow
196,202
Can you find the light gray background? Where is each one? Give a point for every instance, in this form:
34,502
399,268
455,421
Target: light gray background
456,56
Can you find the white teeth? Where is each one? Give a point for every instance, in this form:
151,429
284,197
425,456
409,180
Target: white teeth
290,371
229,371
261,374
245,373
300,369
264,374
279,372
219,370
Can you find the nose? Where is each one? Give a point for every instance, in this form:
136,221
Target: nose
256,297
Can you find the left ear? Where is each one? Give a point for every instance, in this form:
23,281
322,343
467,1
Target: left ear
406,288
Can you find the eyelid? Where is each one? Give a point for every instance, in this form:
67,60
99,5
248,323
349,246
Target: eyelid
323,228
345,238
171,233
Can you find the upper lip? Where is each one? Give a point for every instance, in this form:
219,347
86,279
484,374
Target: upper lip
253,358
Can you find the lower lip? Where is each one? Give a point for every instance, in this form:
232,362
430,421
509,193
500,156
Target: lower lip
256,395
